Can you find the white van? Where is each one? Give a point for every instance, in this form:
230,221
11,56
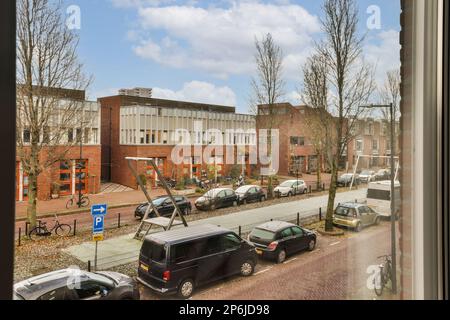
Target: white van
379,197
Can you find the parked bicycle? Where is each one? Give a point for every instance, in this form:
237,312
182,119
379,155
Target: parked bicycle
81,202
383,276
41,231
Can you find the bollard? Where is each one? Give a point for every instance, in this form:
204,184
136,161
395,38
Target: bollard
26,227
323,187
320,214
356,200
298,218
240,231
118,221
310,189
20,235
271,219
89,265
74,227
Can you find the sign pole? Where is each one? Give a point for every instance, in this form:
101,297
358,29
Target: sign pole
95,259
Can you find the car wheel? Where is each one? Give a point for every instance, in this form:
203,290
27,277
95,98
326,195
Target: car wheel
311,245
244,201
187,211
358,227
305,191
212,207
247,268
289,194
281,256
235,203
186,288
263,198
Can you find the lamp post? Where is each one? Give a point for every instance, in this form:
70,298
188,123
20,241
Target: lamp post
393,214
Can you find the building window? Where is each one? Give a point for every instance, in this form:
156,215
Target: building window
26,135
95,135
297,141
374,144
78,135
70,135
142,138
359,145
86,135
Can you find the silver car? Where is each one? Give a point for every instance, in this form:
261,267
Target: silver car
290,188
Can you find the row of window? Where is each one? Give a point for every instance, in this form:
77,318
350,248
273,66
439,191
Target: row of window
90,136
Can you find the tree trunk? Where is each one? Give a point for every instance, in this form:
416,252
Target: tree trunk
32,200
319,171
331,197
269,187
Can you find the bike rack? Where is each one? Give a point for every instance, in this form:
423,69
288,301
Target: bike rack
163,222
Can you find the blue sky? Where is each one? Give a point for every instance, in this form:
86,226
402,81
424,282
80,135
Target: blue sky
202,51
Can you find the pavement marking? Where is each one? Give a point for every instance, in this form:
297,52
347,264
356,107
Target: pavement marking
262,271
289,261
335,243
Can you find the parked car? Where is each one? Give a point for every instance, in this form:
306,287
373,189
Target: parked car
346,179
250,193
355,215
367,176
217,198
76,284
290,188
164,206
276,240
180,260
383,174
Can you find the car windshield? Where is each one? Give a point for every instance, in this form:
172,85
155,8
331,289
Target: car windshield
287,184
159,201
243,189
262,234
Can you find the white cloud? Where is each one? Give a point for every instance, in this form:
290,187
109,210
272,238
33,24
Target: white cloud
198,91
220,41
385,55
139,3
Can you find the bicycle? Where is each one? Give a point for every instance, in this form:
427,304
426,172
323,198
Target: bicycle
42,231
82,202
383,276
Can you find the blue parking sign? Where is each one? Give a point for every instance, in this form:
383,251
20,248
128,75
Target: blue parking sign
98,224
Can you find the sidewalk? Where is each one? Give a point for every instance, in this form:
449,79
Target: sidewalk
114,200
124,249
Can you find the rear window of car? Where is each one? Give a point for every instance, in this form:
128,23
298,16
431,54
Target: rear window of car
262,234
344,211
154,251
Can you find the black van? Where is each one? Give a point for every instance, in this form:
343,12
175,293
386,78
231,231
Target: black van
179,260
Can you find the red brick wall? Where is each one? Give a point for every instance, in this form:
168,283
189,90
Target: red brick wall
51,174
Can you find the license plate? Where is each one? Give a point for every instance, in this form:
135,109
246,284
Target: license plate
259,252
144,267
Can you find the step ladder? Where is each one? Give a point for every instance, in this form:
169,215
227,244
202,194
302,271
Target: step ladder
165,223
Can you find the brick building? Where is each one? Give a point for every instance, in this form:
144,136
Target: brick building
135,126
372,140
71,172
296,149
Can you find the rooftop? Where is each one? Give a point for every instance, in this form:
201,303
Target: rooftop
275,226
187,233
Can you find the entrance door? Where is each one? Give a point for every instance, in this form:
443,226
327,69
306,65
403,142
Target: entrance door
65,177
22,188
81,173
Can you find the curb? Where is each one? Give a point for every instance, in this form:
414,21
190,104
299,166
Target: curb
70,212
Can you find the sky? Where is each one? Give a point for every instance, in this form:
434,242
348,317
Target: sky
203,51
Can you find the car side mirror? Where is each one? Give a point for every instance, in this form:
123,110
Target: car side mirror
104,293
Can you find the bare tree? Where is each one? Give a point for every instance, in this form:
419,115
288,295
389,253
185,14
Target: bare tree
46,61
390,93
319,121
351,80
268,86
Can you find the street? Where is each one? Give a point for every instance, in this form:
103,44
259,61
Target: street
336,269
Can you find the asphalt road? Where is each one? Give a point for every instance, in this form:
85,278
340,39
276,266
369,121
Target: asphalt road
336,269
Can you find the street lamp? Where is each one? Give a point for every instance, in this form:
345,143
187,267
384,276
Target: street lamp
393,215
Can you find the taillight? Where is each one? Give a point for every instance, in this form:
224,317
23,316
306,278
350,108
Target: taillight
273,245
166,275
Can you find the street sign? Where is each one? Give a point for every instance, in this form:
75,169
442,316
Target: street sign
97,237
99,209
98,223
